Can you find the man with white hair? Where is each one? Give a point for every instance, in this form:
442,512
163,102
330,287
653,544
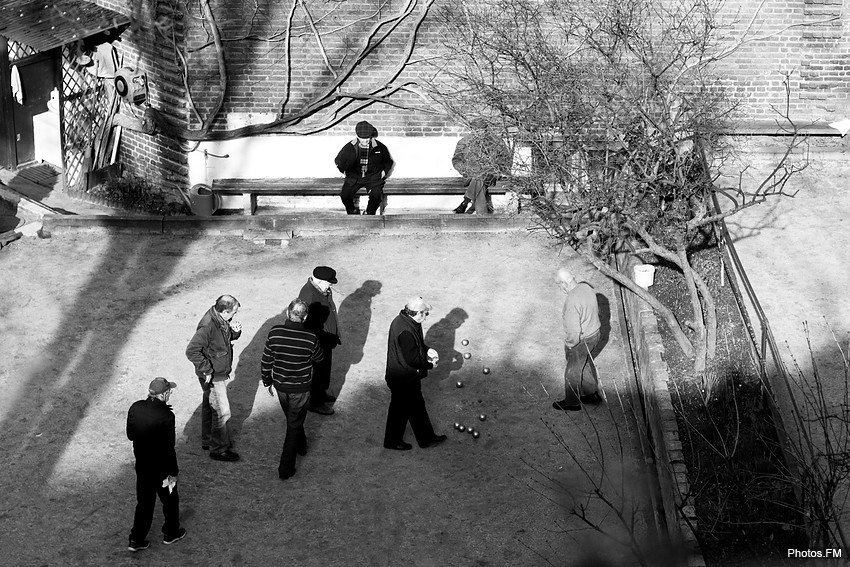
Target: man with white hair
287,364
408,362
150,426
580,317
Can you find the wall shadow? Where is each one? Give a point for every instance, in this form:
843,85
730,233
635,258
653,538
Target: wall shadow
354,316
441,337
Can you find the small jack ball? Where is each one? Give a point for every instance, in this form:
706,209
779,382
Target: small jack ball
467,355
475,435
459,384
470,430
461,428
486,370
464,342
457,425
482,417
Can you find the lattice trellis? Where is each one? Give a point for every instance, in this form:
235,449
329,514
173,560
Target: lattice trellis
86,105
19,51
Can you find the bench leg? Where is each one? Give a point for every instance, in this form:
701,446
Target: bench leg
249,203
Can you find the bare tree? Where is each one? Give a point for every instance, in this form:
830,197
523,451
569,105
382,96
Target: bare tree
366,59
619,111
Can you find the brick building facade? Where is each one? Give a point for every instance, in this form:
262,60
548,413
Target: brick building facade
812,58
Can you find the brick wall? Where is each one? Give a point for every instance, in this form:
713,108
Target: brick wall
813,57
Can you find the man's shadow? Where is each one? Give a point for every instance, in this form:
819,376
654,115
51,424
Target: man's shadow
605,324
441,337
246,380
354,316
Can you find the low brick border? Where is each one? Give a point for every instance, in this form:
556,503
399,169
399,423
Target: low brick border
282,226
653,375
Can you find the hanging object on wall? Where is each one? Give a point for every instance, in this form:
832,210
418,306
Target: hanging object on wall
130,85
17,87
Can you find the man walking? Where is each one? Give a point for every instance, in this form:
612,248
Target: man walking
150,426
580,316
365,162
322,320
211,351
288,358
408,362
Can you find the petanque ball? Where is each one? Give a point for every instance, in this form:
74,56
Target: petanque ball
476,435
457,425
459,384
461,428
486,370
482,417
467,355
464,342
470,430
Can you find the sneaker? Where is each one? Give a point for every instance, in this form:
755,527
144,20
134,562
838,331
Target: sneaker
168,540
322,409
562,405
138,545
225,456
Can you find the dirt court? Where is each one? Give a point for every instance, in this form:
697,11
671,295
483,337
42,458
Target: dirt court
90,319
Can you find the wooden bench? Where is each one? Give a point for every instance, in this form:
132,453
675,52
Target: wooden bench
250,189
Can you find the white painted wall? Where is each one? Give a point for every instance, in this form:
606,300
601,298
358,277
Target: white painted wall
313,156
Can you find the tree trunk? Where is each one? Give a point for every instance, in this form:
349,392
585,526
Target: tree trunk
660,308
696,309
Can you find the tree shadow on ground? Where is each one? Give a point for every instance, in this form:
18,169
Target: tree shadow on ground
355,317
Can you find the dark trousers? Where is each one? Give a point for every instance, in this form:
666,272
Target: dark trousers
321,377
407,404
295,409
375,187
580,377
148,487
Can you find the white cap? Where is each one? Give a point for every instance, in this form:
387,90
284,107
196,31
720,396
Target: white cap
417,304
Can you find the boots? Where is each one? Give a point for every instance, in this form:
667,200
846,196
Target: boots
460,209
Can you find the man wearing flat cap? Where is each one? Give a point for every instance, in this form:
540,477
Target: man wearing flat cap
150,426
321,320
408,362
365,162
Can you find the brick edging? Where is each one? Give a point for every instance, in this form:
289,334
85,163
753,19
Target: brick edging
282,226
672,472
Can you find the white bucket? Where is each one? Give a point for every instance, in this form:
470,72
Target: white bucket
644,275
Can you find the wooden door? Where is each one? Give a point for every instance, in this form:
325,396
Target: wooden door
39,76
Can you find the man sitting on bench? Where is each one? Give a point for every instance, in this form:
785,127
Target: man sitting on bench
480,157
366,162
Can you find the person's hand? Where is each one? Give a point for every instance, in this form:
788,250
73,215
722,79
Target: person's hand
271,391
208,378
433,357
236,326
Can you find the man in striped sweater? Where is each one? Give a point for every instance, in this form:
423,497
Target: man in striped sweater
287,365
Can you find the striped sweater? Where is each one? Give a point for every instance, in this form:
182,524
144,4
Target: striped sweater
288,357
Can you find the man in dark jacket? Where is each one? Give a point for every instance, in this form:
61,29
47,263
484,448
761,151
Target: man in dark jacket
408,362
322,320
211,351
150,426
365,162
289,355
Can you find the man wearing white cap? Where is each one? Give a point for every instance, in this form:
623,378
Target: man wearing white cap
408,362
150,426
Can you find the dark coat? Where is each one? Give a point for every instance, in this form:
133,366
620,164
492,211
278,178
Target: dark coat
321,315
407,353
380,161
150,426
211,348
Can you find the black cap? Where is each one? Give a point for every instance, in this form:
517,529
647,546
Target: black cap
325,273
365,130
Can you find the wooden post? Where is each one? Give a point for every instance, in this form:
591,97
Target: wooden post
8,149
